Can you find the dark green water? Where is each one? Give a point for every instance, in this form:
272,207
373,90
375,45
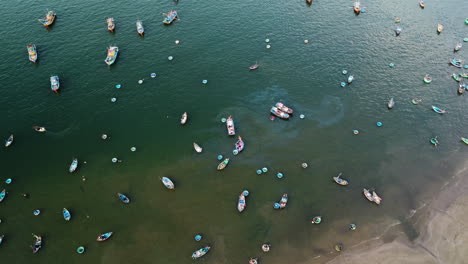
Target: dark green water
219,40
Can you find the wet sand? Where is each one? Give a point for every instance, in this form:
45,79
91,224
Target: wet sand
441,228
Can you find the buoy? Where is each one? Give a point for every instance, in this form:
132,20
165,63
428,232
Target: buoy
177,42
170,58
379,124
363,10
118,86
344,72
343,84
465,39
339,247
104,136
133,149
259,172
391,65
267,40
276,206
114,160
80,250
235,152
113,99
301,116
317,220
264,169
356,132
37,212
205,81
223,120
465,67
140,81
198,237
352,227
306,41
268,46
153,75
8,181
304,165
265,247
397,20
246,193
220,157
279,175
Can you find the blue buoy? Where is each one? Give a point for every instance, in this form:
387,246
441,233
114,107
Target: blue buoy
279,175
343,84
301,116
198,237
345,72
259,172
220,157
37,212
466,66
391,65
379,124
277,206
363,10
113,99
205,81
118,86
356,132
153,75
80,250
246,193
8,181
133,149
235,152
264,169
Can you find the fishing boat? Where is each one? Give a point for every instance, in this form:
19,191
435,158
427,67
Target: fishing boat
283,201
464,140
201,252
170,17
368,195
464,75
1,239
457,47
104,237
398,31
168,183
461,88
54,83
457,63
230,126
254,260
416,101
49,19
350,78
340,181
241,203
277,112
438,110
239,146
223,164
197,147
9,141
123,198
39,129
110,24
3,194
37,244
357,7
66,214
73,165
183,120
376,198
427,79
112,53
254,67
32,53
440,27
140,29
284,108
391,103
421,4
434,141
309,1
456,77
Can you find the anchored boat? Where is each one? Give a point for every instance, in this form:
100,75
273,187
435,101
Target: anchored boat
197,147
32,53
123,198
284,108
110,24
201,252
170,17
49,19
254,67
277,112
427,79
239,146
340,181
230,126
456,77
9,141
168,183
421,4
2,195
37,244
376,198
440,27
457,63
368,195
438,110
73,165
241,203
140,29
391,103
357,7
283,202
54,83
183,120
398,31
39,129
464,140
112,53
66,214
104,237
457,47
223,164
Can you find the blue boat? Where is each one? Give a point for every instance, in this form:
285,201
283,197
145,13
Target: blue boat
438,110
66,214
170,17
54,83
73,165
2,195
200,253
104,236
123,198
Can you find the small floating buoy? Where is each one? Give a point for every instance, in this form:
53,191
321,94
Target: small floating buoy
363,10
235,152
343,84
379,124
339,247
268,46
301,116
465,67
80,250
276,206
465,39
279,175
391,65
170,58
205,81
118,86
223,120
344,72
104,136
317,220
133,149
153,75
246,193
177,42
114,160
113,99
306,41
265,247
272,118
356,132
352,227
220,157
37,212
304,165
264,169
267,40
259,172
8,181
140,81
198,237
397,20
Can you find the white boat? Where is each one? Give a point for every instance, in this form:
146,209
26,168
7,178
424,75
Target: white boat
9,141
168,183
197,147
230,126
376,198
350,79
241,204
140,29
73,165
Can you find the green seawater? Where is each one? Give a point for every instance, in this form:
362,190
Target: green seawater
218,42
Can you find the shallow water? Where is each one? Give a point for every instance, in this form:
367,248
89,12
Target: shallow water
218,41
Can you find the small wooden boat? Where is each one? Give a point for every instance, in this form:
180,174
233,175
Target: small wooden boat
241,203
201,252
457,63
434,141
461,88
66,214
170,17
112,53
197,147
140,29
223,164
421,4
54,83
39,129
427,79
350,78
239,146
37,244
464,140
1,239
340,181
49,19
283,201
110,24
277,112
183,120
391,103
416,101
168,183
464,75
3,194
230,126
440,27
398,31
9,141
357,7
457,47
104,237
123,198
376,198
284,108
368,195
253,261
456,77
73,165
438,110
254,67
32,53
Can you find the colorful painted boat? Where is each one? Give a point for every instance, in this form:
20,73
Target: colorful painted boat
241,203
230,126
49,19
39,129
223,164
376,198
391,103
104,237
168,183
277,112
73,165
457,47
183,120
140,28
110,24
112,53
416,101
170,17
284,108
461,88
440,27
197,147
427,79
464,140
284,201
32,53
3,194
9,141
54,83
254,67
66,214
340,181
123,198
368,195
438,110
37,244
421,4
464,75
201,252
357,7
455,77
253,261
457,63
239,146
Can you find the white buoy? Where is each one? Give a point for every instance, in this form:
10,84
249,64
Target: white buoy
301,116
133,149
267,40
140,81
170,58
205,81
114,160
113,99
268,46
153,75
177,42
306,41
